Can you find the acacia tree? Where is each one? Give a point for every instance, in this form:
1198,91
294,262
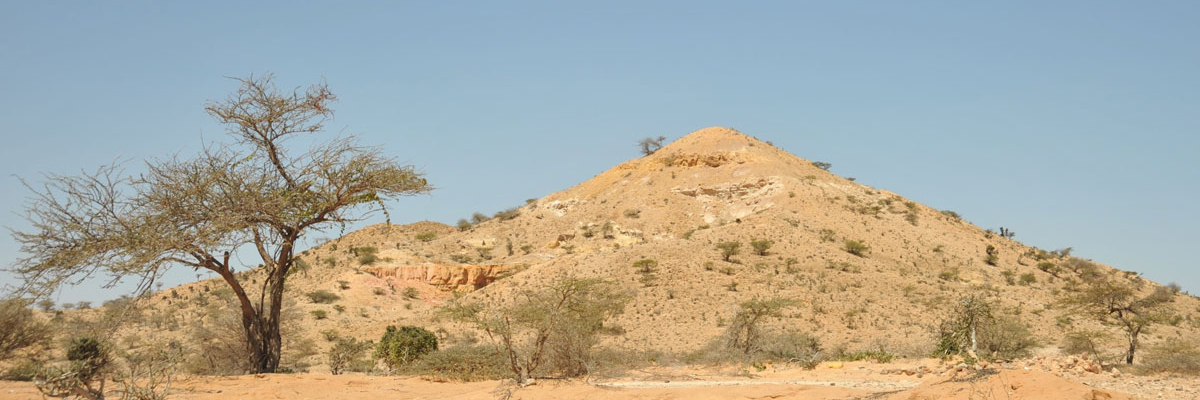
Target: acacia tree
1116,303
197,212
745,331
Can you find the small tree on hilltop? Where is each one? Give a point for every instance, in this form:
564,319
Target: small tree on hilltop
196,213
1117,303
651,145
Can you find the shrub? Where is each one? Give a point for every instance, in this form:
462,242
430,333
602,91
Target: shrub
463,224
1009,277
992,256
411,293
367,255
745,331
323,297
645,266
972,328
880,356
1027,279
379,291
343,285
761,246
89,361
428,236
1086,342
729,249
463,364
508,214
797,347
828,235
24,371
401,346
319,314
856,247
347,354
953,215
21,329
822,165
650,145
633,213
1175,356
555,325
478,218
461,258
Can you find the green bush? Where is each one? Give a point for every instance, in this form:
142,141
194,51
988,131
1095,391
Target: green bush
996,337
401,346
463,364
463,225
953,215
24,371
761,246
729,249
856,247
880,356
478,218
428,236
1027,279
508,214
322,297
346,355
319,314
367,255
645,266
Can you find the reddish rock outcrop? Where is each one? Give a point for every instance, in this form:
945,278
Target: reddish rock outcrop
445,277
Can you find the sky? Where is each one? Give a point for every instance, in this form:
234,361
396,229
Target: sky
1073,123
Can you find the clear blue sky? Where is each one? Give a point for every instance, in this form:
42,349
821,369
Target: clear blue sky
1072,123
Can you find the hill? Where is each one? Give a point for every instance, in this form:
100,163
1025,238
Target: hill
869,268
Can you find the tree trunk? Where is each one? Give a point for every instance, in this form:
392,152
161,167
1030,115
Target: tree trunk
1133,341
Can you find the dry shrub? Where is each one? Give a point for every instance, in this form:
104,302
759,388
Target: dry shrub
21,330
1089,343
553,326
462,364
1176,356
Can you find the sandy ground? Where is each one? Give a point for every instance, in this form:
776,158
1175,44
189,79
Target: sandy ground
859,380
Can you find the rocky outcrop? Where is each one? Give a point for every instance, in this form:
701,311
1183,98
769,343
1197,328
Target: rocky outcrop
457,278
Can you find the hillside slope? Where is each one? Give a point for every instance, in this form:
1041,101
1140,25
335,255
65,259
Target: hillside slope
674,206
